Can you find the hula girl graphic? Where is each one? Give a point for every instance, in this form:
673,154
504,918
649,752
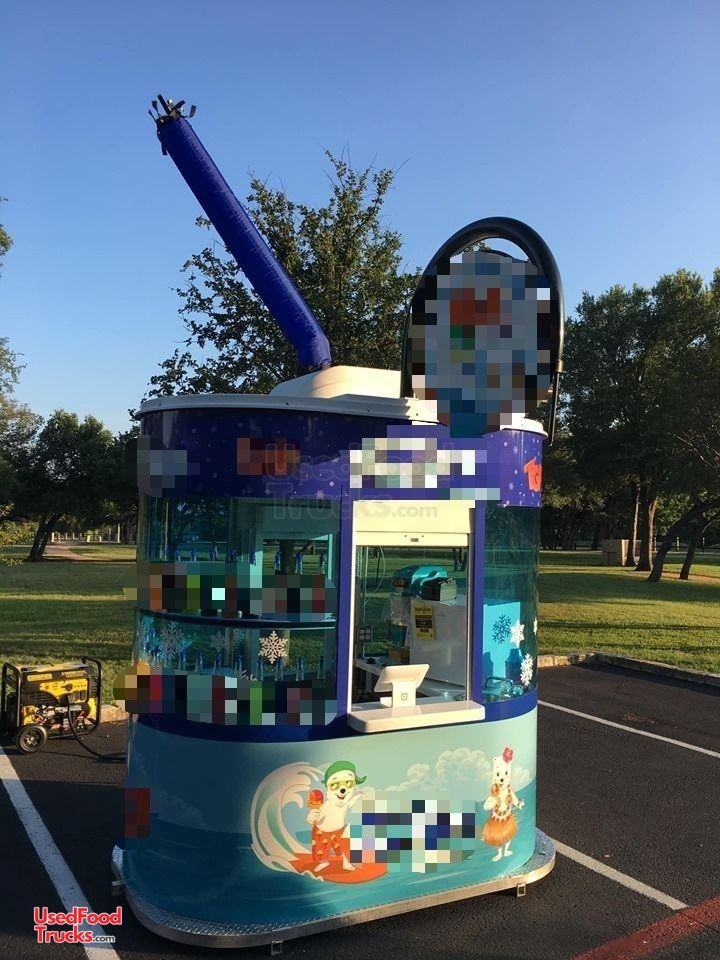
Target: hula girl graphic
501,826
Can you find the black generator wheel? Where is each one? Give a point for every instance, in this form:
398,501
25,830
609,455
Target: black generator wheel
31,738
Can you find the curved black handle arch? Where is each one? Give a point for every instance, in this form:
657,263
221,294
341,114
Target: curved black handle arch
539,254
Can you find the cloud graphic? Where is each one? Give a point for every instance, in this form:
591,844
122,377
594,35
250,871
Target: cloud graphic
456,770
461,766
418,778
520,778
453,769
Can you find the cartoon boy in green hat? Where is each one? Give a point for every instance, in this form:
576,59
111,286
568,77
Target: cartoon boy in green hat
328,819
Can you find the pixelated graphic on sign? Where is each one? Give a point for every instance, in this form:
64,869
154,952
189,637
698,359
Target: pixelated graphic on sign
258,457
227,700
480,341
212,587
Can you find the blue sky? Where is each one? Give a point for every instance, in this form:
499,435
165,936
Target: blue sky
595,122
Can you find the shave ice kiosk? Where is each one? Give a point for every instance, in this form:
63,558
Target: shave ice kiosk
333,693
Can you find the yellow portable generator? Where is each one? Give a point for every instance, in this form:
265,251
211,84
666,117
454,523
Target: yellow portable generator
59,700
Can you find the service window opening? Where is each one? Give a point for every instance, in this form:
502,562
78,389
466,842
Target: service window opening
411,607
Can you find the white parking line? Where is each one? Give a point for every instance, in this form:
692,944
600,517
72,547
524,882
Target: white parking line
622,878
640,733
57,869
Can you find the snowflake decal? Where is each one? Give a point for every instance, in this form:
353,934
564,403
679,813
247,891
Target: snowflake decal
172,638
517,633
526,670
501,629
218,641
535,627
273,646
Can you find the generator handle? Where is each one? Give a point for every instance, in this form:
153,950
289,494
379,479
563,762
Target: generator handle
98,667
7,667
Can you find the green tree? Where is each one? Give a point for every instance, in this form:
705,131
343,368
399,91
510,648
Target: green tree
5,239
69,469
693,397
122,487
10,368
18,426
344,261
570,501
621,354
15,419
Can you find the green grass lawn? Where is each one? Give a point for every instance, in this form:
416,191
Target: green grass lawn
58,609
61,609
585,606
104,551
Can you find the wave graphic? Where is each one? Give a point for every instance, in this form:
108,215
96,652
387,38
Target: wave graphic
272,842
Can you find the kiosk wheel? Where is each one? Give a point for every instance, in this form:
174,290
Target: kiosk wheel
31,738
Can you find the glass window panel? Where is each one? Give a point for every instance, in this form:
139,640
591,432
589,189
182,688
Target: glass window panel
510,601
211,566
201,646
411,607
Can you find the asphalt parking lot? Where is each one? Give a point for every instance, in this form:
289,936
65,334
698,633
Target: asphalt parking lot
629,785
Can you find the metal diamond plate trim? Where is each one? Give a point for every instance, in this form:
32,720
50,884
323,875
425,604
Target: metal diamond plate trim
213,933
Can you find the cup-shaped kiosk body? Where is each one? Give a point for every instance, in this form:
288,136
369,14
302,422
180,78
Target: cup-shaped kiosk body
294,553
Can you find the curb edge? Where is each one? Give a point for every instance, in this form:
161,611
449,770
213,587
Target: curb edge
630,663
